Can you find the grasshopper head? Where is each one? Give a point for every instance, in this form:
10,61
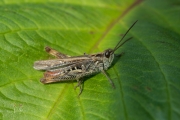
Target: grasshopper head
108,57
109,53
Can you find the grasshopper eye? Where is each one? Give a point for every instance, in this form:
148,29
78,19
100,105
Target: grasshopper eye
107,53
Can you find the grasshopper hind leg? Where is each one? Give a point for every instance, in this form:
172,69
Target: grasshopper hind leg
55,53
80,85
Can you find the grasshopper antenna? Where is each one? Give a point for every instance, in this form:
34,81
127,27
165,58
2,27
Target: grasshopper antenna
119,45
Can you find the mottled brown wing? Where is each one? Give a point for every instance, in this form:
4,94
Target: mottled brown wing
58,63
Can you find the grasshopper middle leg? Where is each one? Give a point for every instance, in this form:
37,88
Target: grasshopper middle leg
80,85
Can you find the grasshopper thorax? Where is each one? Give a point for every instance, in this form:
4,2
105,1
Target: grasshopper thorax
108,58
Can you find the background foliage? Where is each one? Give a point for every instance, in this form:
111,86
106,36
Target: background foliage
146,76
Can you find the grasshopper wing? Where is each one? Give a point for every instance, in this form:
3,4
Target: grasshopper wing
58,63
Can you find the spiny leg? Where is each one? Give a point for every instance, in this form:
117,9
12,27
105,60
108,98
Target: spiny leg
111,82
80,85
55,53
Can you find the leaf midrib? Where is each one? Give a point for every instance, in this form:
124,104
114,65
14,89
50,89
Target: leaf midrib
114,23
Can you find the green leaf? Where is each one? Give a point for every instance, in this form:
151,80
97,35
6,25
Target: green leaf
146,76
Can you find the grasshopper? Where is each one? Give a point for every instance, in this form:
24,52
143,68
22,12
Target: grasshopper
67,68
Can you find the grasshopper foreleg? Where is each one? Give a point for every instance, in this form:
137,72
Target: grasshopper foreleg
111,82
